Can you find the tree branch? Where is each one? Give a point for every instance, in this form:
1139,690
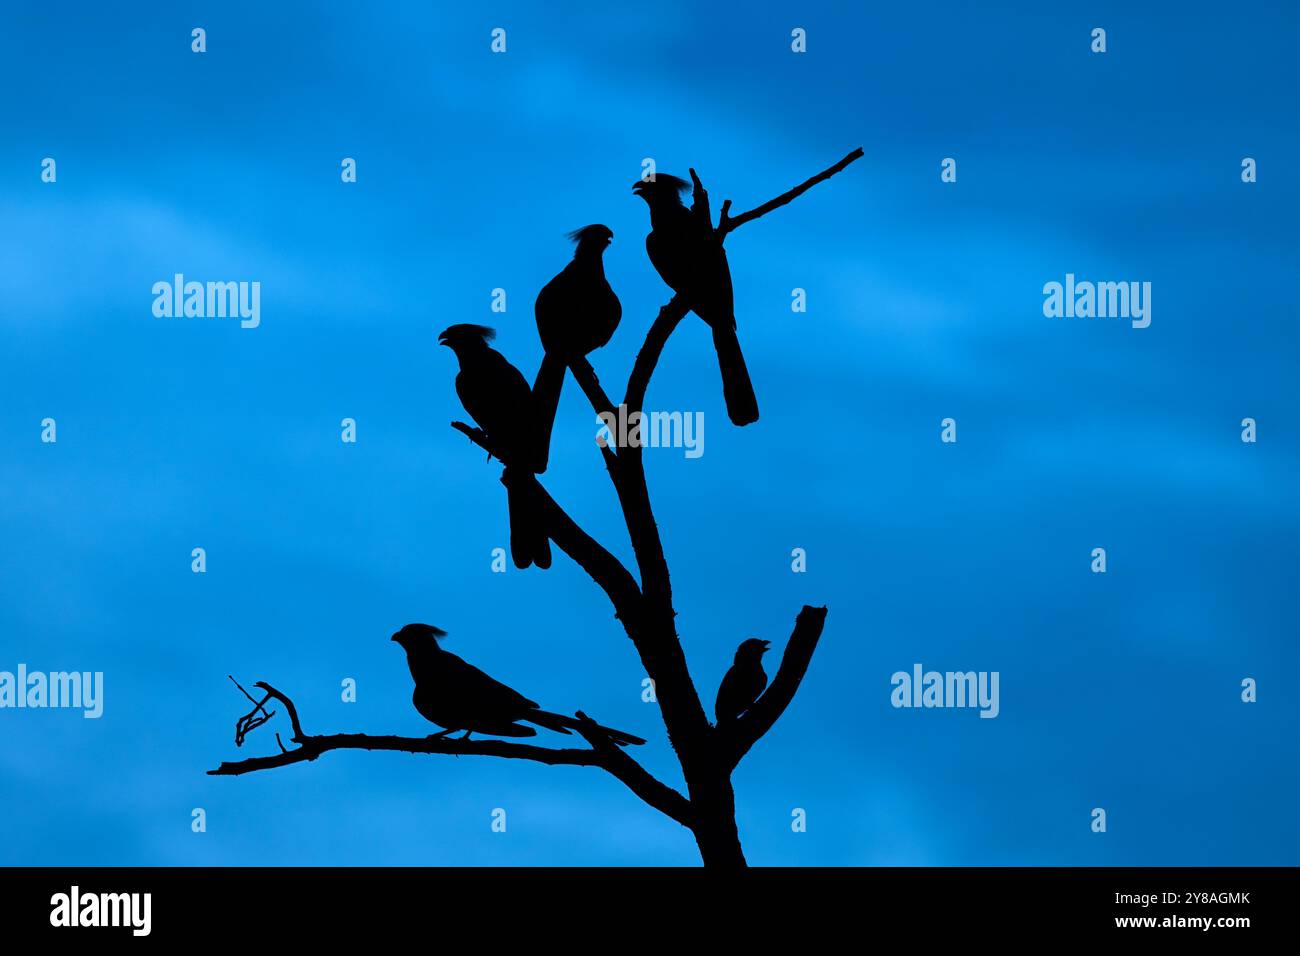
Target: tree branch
479,437
640,781
647,358
659,646
288,706
602,567
313,746
754,723
603,754
655,635
683,716
606,756
727,224
628,475
672,313
586,378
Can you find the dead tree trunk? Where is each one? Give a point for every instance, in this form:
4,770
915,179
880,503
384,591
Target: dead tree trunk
643,604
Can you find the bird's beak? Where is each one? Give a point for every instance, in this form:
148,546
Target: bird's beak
393,638
767,646
442,339
639,186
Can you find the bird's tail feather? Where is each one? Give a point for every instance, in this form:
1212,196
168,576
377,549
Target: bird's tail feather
561,724
737,389
546,399
529,544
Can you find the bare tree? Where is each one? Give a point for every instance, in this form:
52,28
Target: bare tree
708,754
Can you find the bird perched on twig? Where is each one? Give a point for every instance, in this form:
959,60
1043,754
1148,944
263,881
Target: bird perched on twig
743,683
577,313
458,696
498,398
689,257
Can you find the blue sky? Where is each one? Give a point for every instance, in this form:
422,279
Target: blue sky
924,302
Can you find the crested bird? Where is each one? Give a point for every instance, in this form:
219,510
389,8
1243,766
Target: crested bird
456,695
577,313
498,398
742,684
689,257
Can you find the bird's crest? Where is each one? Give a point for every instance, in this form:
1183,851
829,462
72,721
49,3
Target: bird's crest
592,232
665,182
415,631
466,332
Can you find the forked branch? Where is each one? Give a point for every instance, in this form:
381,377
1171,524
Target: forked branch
727,224
644,608
602,753
763,713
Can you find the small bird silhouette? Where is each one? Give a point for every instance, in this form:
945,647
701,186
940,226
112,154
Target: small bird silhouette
690,258
458,696
498,398
743,683
577,313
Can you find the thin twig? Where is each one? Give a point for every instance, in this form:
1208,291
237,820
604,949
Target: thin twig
288,706
727,224
250,721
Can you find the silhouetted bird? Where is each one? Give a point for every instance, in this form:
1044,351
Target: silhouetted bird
690,258
498,398
458,696
742,684
577,313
